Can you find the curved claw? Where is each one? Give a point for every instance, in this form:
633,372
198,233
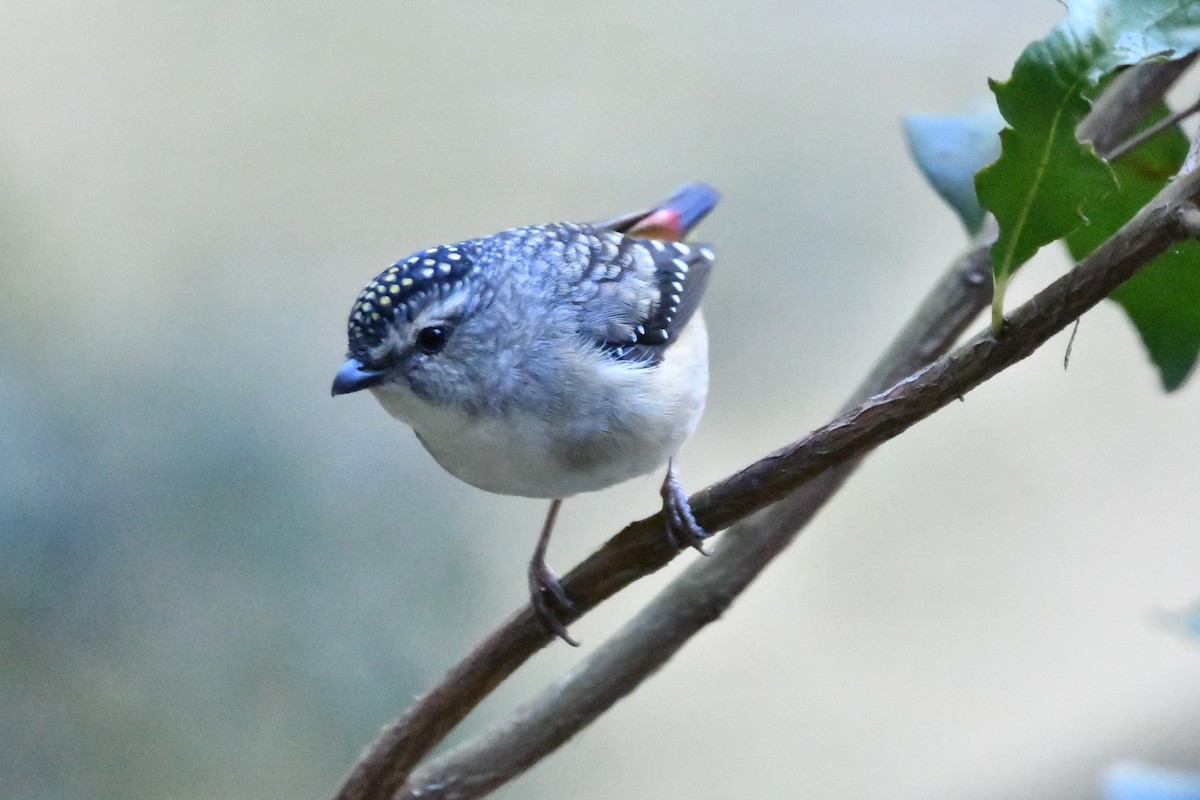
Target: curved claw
682,528
545,593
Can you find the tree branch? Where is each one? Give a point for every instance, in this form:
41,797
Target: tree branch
707,587
636,551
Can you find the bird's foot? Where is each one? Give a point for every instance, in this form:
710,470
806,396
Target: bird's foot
548,598
682,528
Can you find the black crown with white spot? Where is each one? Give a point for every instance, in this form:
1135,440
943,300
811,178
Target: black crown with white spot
401,288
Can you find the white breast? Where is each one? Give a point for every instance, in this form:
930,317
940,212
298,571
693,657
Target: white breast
629,424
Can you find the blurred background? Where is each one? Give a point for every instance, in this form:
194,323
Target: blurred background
217,581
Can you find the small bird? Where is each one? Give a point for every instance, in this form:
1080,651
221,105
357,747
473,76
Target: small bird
547,360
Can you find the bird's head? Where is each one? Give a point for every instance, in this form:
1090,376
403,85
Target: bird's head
417,332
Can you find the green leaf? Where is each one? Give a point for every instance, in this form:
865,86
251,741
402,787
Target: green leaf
1163,299
1044,175
950,149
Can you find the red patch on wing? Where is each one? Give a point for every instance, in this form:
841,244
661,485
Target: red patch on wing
664,223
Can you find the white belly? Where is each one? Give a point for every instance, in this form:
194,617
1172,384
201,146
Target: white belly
595,446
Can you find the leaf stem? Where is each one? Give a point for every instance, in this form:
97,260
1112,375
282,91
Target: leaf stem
1000,286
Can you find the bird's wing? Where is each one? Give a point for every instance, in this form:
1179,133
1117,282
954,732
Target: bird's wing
638,300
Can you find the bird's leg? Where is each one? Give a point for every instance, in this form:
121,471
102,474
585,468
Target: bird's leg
682,528
544,585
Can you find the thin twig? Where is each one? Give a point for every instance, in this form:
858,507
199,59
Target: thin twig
1117,113
1168,121
1070,345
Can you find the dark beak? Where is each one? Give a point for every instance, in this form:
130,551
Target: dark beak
352,377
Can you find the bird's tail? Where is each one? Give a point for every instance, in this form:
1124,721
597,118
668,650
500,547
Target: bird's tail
672,219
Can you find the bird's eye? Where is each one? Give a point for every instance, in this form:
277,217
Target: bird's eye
432,339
